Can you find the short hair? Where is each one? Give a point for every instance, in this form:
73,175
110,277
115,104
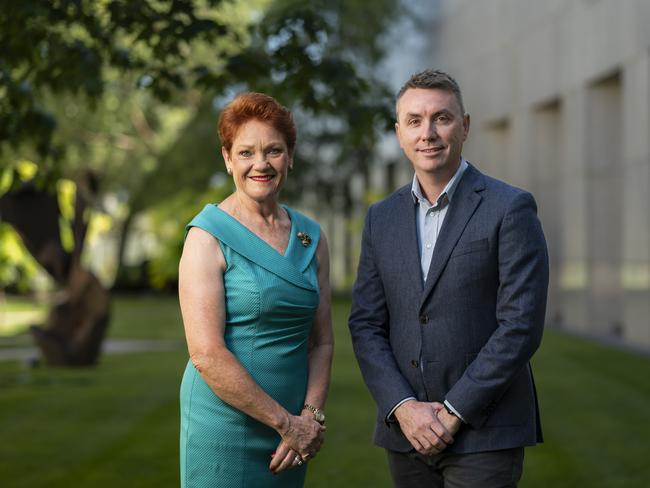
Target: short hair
431,79
255,106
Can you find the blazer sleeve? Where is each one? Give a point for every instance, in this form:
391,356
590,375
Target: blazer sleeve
369,326
520,310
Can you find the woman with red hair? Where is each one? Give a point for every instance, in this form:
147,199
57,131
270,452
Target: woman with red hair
255,298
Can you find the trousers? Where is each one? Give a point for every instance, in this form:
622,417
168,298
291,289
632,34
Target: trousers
492,469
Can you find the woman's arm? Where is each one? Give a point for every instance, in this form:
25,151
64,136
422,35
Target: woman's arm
321,348
321,339
202,299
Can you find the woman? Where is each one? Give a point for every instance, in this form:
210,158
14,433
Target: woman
255,298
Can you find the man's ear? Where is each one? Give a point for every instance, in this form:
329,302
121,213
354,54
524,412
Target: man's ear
466,125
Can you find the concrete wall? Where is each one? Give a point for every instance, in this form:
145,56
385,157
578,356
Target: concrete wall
559,95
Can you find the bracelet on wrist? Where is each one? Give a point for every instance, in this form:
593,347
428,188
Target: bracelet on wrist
319,415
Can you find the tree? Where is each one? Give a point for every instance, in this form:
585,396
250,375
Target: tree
176,53
75,51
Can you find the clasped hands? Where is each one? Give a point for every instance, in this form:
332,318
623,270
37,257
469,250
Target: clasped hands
427,426
302,438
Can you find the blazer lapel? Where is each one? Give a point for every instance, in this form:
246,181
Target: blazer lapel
462,207
406,233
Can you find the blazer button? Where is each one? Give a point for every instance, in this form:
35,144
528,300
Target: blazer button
414,363
424,319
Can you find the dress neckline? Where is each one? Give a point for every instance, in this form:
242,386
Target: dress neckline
249,231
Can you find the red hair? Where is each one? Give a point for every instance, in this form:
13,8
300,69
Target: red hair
250,106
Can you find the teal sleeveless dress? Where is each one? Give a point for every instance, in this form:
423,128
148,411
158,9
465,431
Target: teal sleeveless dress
270,302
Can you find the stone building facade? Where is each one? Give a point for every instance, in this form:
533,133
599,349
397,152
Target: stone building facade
559,97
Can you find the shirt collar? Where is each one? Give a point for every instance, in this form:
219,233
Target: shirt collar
447,192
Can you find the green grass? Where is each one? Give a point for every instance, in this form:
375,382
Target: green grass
594,402
146,317
112,426
11,303
117,424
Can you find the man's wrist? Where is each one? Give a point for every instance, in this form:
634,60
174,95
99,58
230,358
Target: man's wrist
391,417
452,411
449,419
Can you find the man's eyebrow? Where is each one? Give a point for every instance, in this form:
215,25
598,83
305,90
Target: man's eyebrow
444,111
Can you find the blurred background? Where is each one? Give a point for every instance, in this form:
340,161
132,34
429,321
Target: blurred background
108,147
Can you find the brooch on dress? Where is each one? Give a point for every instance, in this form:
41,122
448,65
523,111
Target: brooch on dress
304,238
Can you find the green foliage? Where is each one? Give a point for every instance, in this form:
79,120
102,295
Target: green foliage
169,220
130,89
66,47
321,64
304,51
119,129
17,267
185,166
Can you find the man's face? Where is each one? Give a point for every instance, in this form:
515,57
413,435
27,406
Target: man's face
431,129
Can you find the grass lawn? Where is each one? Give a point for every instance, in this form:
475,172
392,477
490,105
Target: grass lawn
117,424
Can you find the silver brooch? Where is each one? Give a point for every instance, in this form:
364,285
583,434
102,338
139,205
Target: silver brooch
304,238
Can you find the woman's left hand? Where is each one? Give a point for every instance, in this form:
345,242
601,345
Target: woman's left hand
284,457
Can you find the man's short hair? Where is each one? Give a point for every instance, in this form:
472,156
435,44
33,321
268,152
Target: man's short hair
431,79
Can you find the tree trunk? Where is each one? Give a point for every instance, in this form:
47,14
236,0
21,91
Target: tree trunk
77,322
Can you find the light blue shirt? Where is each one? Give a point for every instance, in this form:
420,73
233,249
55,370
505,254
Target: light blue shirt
429,220
431,216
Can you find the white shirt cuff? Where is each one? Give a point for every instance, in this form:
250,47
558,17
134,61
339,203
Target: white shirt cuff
390,417
451,407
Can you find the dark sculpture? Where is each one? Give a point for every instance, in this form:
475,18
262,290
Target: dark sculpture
76,324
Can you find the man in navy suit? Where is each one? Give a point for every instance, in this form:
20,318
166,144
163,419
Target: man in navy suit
448,306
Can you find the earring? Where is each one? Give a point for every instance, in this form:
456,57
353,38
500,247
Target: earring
229,170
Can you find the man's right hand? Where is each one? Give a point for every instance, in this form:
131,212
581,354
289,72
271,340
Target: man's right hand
420,424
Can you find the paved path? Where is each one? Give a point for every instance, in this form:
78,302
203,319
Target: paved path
110,346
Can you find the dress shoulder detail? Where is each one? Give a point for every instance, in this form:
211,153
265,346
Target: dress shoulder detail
243,241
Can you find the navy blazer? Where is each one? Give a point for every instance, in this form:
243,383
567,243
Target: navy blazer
465,335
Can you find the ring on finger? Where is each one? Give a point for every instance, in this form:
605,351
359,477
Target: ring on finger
298,460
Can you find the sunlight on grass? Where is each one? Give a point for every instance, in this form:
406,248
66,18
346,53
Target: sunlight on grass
18,313
12,323
126,412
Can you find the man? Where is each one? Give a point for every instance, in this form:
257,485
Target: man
448,306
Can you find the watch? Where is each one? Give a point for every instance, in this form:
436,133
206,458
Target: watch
319,415
450,411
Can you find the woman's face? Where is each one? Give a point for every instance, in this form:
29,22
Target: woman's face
259,160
